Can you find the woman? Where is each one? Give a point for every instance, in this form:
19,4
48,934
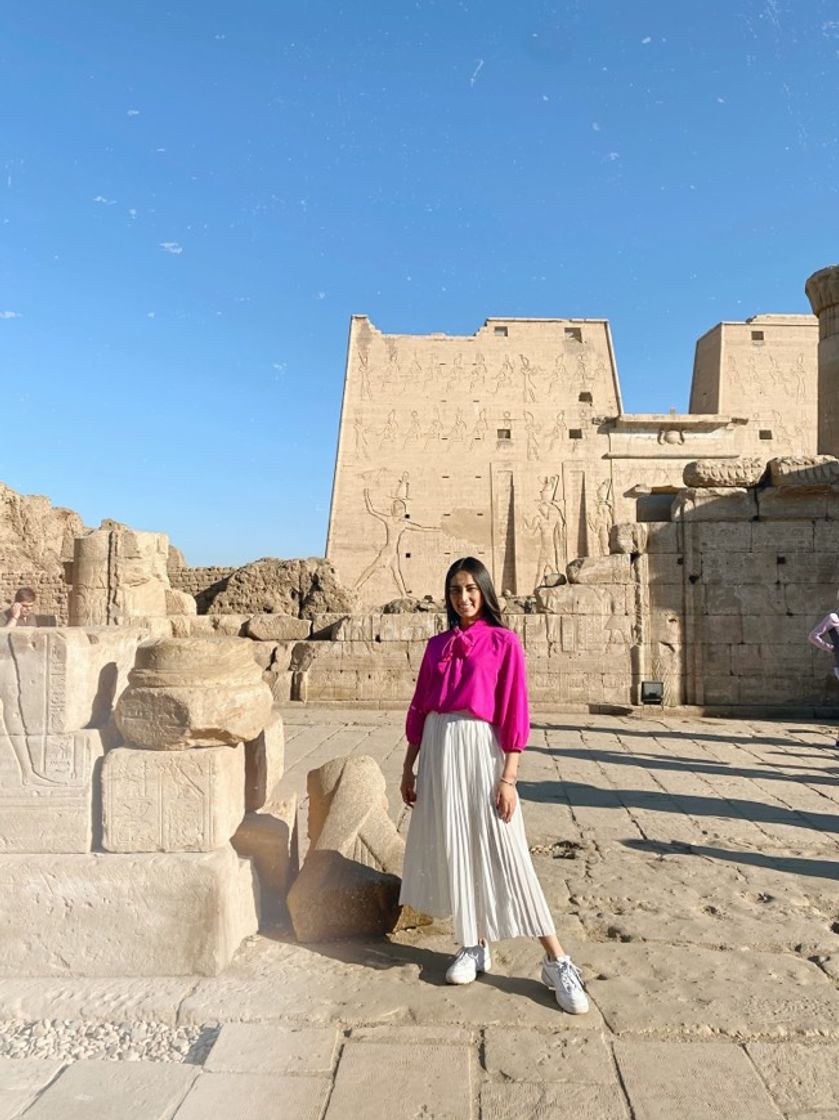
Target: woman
466,852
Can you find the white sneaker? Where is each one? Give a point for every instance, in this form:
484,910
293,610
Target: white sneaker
566,979
471,960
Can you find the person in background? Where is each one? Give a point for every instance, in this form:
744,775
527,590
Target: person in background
825,635
22,610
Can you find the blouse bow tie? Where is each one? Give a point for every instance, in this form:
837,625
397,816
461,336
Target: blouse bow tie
459,645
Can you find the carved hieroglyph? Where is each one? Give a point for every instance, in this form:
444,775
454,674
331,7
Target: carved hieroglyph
56,691
187,801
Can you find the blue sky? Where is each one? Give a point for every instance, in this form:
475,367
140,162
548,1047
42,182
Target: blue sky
195,197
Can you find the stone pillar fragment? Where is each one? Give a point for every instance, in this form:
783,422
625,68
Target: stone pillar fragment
823,293
118,575
193,692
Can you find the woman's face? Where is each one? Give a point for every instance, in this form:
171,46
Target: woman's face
466,598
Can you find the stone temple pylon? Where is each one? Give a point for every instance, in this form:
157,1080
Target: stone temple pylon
823,293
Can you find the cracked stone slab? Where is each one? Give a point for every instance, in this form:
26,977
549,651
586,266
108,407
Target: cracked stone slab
259,1096
802,1077
529,1101
400,1082
21,1080
118,1000
90,1090
692,1081
269,1048
528,1055
659,988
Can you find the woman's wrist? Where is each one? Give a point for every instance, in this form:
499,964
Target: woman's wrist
508,781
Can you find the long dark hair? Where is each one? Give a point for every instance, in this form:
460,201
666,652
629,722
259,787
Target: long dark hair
491,608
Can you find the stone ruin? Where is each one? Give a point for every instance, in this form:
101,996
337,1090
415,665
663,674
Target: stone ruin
141,747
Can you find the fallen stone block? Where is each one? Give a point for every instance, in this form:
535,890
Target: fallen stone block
264,763
193,692
177,914
818,471
278,628
165,801
628,537
180,602
269,839
601,569
334,897
704,473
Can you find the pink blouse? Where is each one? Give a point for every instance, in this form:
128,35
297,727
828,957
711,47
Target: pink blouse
479,670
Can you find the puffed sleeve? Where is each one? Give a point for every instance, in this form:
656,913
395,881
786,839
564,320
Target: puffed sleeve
512,715
415,719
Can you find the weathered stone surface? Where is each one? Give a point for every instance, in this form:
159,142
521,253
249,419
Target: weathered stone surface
800,1076
180,602
164,801
198,626
278,628
301,588
264,761
518,1054
223,1095
269,839
118,575
790,503
705,473
349,882
628,537
524,1100
91,1090
671,1079
805,470
412,605
612,569
714,504
271,1048
46,791
20,1083
116,915
421,1080
193,692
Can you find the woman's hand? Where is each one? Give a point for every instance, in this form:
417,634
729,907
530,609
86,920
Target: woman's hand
408,788
505,801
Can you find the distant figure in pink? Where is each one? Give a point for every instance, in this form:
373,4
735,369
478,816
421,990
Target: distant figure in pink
825,635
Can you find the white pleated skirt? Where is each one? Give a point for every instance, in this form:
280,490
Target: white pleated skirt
461,859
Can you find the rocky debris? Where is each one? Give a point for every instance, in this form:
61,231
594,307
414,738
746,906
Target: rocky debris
628,537
193,692
601,569
277,628
411,605
746,471
70,1040
301,588
518,604
34,533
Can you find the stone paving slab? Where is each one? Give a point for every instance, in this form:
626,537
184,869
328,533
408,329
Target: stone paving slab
692,1081
528,1101
527,1055
21,1081
802,1077
662,990
105,1090
256,1096
402,1082
261,1048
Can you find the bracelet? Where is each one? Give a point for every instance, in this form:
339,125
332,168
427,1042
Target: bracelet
509,781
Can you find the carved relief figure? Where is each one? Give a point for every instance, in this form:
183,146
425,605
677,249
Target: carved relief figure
391,428
364,371
396,524
559,374
558,431
504,377
527,373
549,523
478,377
605,507
458,429
361,448
532,430
414,432
481,426
435,429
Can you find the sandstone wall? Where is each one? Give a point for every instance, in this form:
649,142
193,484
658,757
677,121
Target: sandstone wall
202,583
